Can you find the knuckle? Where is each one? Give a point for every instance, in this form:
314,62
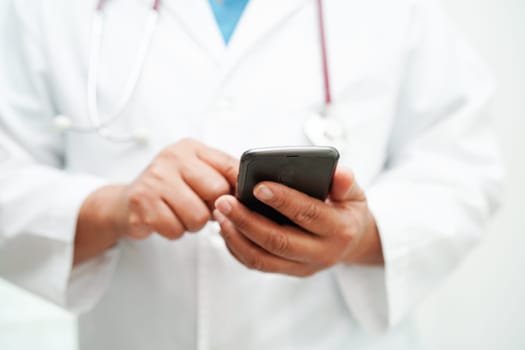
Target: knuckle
148,221
156,171
307,214
135,221
137,196
137,229
255,263
278,242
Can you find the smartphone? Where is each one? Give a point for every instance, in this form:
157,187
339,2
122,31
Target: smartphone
308,169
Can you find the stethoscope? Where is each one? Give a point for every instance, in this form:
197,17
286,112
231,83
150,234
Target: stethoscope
320,128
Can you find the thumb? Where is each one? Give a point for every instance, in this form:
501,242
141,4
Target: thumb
345,187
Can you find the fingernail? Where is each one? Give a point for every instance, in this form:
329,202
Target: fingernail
223,206
263,193
218,216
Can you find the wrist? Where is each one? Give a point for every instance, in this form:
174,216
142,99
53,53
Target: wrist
115,210
104,210
368,249
95,231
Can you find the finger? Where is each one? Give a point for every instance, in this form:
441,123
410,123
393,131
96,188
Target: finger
186,204
154,216
165,223
232,253
309,213
138,227
225,164
140,209
345,187
284,241
254,257
207,182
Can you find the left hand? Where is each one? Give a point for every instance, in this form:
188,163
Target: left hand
340,229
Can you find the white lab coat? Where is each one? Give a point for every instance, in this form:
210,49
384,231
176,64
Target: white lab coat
410,93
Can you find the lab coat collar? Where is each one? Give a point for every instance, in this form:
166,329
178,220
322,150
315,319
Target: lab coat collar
196,19
258,20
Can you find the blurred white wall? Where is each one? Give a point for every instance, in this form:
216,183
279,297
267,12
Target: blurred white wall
482,306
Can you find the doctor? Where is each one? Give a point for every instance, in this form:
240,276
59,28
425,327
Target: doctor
155,103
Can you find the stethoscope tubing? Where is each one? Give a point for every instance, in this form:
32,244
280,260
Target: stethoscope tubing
132,81
100,126
324,57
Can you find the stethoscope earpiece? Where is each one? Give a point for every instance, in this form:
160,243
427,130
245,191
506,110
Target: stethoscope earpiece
326,130
332,129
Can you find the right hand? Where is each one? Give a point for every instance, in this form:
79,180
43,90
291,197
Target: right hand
176,192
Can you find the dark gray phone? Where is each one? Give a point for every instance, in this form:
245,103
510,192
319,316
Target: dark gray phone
308,169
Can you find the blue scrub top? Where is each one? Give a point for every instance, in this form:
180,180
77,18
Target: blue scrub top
227,14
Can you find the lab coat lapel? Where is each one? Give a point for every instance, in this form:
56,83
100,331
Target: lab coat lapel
196,18
260,18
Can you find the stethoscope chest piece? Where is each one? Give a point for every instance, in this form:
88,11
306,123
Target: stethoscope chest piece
321,128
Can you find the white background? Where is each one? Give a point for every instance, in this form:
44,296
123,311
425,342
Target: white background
482,306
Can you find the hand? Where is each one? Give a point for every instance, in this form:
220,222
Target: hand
176,192
340,229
